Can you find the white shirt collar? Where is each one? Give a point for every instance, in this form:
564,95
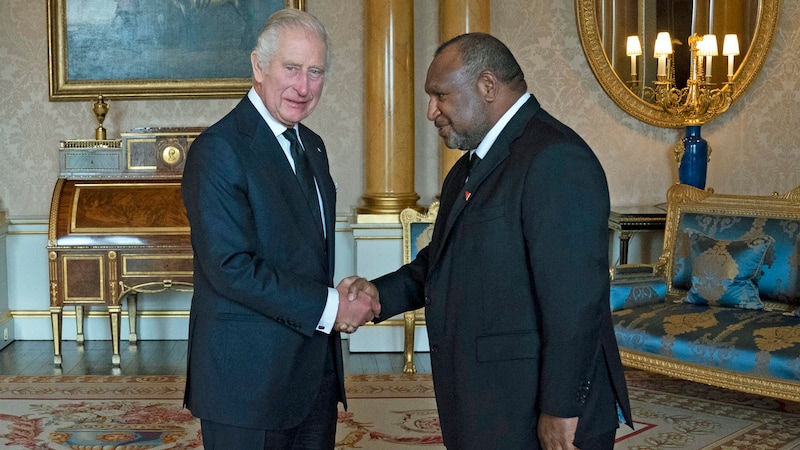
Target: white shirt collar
276,127
491,136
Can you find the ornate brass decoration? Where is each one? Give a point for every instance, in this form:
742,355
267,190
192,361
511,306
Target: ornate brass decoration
100,108
172,155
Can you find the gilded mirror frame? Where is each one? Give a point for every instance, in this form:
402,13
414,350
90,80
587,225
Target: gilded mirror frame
616,88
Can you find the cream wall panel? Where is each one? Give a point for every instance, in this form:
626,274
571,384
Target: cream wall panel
6,321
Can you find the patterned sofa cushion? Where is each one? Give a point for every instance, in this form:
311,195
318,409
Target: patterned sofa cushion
761,343
726,273
780,279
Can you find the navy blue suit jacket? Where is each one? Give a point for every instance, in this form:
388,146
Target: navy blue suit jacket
515,287
261,272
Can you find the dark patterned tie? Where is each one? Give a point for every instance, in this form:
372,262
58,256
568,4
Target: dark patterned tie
304,175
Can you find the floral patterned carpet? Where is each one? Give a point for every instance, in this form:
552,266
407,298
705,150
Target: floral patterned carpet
393,411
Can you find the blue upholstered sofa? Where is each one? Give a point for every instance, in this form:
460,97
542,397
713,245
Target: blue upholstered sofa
721,304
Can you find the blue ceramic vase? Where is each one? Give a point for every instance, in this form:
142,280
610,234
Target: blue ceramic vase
694,163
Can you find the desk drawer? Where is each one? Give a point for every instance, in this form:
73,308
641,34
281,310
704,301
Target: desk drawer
149,266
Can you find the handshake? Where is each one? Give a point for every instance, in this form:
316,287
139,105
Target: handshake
359,303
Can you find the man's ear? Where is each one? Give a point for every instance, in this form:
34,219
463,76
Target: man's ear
258,75
487,86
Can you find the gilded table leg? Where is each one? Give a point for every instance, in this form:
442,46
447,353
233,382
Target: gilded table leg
114,315
55,318
410,319
133,297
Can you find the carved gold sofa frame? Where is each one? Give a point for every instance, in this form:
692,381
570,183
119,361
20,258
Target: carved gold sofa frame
770,337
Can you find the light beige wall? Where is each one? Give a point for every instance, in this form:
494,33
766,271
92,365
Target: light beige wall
754,143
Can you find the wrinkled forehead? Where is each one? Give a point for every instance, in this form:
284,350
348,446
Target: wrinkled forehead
301,46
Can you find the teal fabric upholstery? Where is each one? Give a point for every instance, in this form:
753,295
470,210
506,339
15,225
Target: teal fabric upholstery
728,253
726,273
780,279
630,293
762,343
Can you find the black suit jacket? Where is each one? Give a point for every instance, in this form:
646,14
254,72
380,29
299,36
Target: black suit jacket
261,273
515,287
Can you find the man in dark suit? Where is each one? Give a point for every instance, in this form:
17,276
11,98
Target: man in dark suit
264,362
515,281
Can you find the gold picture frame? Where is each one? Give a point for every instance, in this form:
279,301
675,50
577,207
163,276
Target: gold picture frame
148,49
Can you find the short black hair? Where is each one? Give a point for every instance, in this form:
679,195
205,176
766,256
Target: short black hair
480,52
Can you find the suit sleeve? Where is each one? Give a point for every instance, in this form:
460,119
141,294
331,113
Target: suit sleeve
403,290
565,214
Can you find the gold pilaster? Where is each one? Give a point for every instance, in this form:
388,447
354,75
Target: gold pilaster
458,17
389,109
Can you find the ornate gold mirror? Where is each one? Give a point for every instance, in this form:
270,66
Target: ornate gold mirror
605,25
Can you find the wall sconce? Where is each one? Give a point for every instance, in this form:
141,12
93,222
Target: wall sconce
694,104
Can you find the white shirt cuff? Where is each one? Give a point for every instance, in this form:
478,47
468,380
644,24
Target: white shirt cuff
328,318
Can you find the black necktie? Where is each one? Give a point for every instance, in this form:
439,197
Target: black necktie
304,175
474,159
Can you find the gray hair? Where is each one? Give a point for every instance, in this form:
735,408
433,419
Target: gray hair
284,20
480,52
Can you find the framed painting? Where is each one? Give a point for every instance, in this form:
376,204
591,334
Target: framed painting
154,49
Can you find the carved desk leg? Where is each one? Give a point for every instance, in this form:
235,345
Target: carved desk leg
56,307
133,297
55,319
410,319
114,316
114,307
79,324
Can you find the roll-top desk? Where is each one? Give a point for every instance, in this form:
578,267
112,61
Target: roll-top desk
118,226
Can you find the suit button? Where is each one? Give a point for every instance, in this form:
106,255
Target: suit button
427,301
434,349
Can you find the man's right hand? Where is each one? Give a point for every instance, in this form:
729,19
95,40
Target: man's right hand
358,305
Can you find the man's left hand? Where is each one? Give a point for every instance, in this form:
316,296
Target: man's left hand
557,433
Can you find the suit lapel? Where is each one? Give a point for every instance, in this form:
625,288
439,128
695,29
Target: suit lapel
455,197
272,160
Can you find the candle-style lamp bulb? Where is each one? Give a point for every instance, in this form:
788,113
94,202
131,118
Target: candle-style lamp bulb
633,49
730,48
661,50
708,48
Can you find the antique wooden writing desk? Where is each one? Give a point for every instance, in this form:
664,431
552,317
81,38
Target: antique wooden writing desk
117,231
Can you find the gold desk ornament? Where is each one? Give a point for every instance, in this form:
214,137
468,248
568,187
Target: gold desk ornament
100,108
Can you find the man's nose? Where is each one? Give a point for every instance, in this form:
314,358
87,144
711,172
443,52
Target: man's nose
433,110
301,84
